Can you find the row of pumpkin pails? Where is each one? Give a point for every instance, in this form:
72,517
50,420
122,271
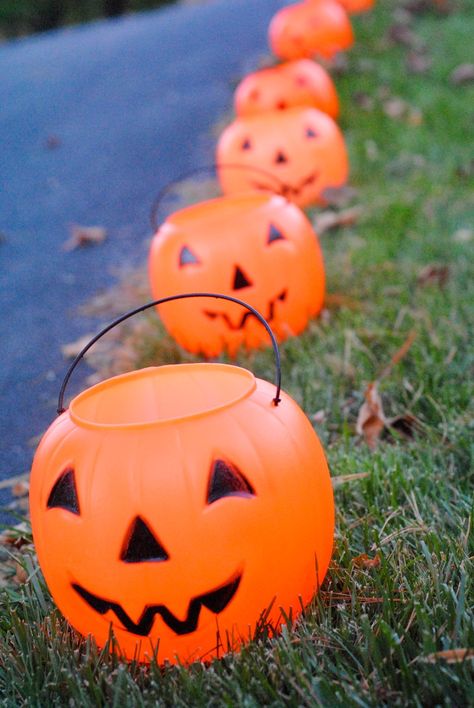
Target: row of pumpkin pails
179,508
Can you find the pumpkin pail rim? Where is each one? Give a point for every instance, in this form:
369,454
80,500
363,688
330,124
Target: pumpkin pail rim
159,395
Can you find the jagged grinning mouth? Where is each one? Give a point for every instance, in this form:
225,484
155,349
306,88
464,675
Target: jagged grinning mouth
215,601
271,311
286,190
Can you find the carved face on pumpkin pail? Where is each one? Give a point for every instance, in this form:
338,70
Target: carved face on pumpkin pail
311,28
174,505
293,83
254,246
301,148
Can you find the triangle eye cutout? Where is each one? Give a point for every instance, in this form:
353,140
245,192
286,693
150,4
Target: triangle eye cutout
187,257
64,493
246,145
311,133
141,545
226,480
274,234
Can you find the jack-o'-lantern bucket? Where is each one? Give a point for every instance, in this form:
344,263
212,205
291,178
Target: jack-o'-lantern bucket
174,507
301,147
310,28
255,245
294,83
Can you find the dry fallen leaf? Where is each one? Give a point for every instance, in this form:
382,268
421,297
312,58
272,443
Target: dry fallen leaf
85,236
364,561
20,489
451,656
371,418
319,416
418,62
344,478
71,350
340,300
433,274
327,220
462,74
21,576
395,107
339,196
406,425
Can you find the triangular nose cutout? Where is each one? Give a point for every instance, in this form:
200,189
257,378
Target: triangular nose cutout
141,545
240,279
280,158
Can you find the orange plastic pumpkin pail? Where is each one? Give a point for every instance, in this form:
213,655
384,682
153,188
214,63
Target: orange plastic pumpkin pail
301,147
255,245
176,505
293,83
307,29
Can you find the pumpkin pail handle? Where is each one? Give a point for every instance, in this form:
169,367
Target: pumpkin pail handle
161,301
280,187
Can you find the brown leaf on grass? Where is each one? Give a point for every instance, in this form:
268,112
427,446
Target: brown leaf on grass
399,355
371,418
84,236
364,561
21,576
395,107
71,350
327,220
406,425
339,196
418,62
462,74
401,33
344,478
433,274
336,300
451,656
319,416
364,100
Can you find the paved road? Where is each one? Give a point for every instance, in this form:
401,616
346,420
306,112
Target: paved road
131,103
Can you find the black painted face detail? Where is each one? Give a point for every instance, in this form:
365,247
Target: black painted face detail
187,257
216,601
64,493
274,234
240,325
240,279
141,545
226,480
246,145
311,133
280,158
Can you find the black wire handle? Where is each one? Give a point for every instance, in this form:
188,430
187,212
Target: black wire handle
161,301
281,187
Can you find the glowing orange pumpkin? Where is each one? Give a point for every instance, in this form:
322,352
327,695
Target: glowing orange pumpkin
175,505
306,29
301,147
254,245
294,83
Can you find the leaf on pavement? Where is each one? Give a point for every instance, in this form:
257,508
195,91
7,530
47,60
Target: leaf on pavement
85,236
71,350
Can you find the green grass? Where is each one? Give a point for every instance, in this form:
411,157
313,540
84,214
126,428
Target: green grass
366,640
